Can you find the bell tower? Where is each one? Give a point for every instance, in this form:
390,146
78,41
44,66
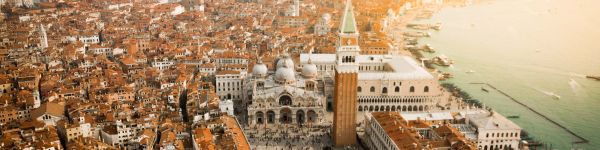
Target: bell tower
43,37
346,81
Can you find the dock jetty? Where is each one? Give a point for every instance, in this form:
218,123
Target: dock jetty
581,139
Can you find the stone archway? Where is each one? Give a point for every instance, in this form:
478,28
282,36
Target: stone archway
285,100
312,116
285,116
300,117
260,117
270,117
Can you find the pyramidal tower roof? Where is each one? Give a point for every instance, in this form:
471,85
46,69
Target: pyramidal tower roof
348,25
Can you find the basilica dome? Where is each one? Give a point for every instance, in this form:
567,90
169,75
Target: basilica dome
285,61
285,75
260,70
309,70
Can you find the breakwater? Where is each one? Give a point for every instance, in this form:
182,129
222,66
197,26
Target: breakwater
581,140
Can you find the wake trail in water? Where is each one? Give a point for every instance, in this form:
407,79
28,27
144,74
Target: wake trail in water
548,93
574,86
576,75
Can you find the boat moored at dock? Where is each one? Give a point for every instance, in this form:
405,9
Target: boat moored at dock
593,77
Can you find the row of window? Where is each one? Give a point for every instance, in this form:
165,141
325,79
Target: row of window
397,89
502,135
370,68
376,100
89,40
494,147
350,59
46,117
393,108
228,76
222,85
229,61
325,67
229,96
388,142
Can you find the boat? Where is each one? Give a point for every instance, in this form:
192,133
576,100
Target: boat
552,94
428,48
437,26
442,60
593,77
485,90
471,71
555,96
513,116
444,76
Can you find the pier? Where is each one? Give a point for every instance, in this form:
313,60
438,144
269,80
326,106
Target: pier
581,139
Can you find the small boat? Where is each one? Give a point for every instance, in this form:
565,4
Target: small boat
593,77
485,90
442,60
437,26
513,116
444,76
555,96
471,71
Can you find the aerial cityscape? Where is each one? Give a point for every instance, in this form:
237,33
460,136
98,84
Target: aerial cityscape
299,74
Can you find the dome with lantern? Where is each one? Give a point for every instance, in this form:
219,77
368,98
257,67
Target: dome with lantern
285,60
309,70
260,70
285,75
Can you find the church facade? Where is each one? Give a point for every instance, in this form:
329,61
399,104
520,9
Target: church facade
284,96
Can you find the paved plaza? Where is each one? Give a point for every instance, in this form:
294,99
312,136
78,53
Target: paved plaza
289,137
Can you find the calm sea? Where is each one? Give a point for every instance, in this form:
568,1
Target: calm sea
529,49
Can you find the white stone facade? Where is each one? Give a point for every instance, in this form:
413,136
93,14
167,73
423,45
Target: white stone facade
494,131
376,136
285,97
388,83
229,85
90,39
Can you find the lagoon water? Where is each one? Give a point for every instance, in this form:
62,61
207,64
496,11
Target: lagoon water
528,49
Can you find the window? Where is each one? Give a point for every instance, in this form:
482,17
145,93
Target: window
412,89
285,100
372,89
397,89
426,89
384,90
359,89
